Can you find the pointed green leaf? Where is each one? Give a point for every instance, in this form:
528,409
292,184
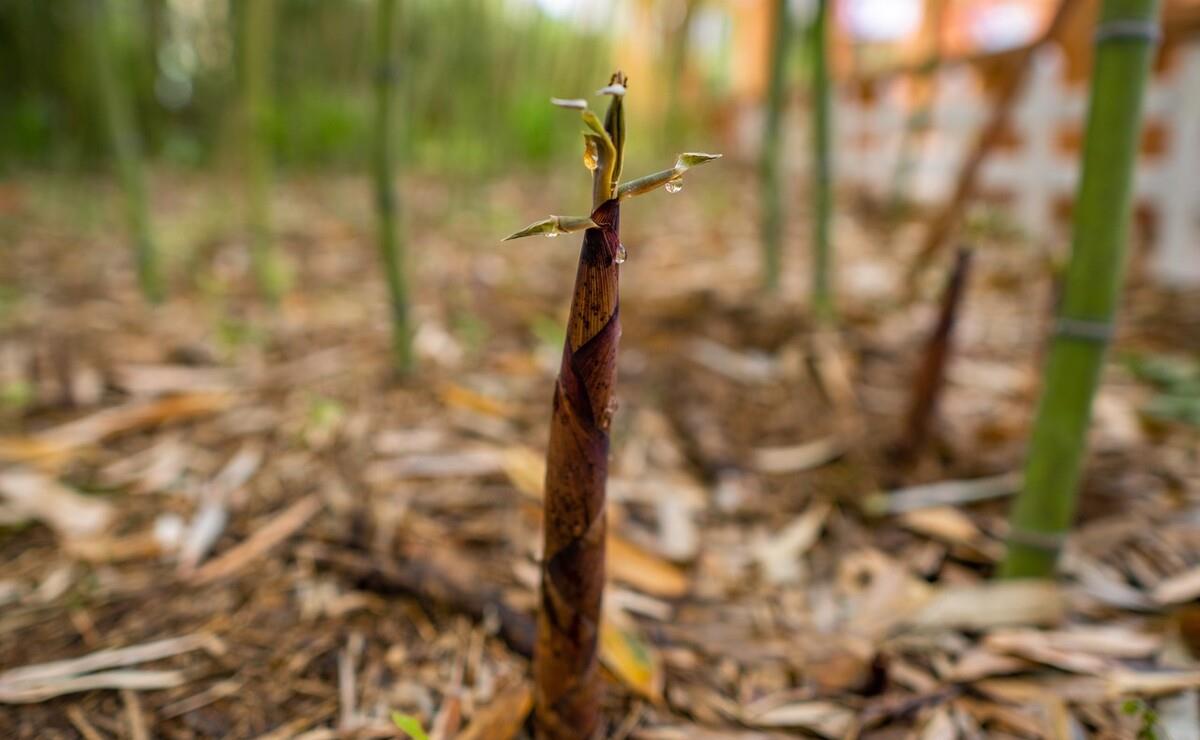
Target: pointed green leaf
592,122
554,225
647,183
683,163
693,159
544,226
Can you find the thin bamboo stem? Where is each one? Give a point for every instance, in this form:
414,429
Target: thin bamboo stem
126,148
1046,505
258,21
822,291
770,166
391,246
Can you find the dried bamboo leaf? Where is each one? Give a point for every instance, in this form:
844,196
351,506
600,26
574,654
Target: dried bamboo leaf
136,680
635,662
1152,683
57,445
503,717
111,658
942,493
779,555
1178,588
68,513
993,604
644,571
798,458
821,717
281,526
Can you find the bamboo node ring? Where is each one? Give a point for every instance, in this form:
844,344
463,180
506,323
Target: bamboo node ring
1044,541
1100,332
1128,30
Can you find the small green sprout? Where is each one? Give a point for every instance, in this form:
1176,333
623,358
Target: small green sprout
409,725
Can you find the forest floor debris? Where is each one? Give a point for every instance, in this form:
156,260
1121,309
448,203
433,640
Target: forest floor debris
335,546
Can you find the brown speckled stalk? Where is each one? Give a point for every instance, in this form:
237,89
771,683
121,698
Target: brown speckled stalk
927,386
566,663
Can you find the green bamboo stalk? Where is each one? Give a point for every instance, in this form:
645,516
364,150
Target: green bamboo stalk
126,147
257,30
391,248
770,166
1046,506
822,294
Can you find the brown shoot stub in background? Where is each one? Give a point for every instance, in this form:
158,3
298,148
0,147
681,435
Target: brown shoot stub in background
927,385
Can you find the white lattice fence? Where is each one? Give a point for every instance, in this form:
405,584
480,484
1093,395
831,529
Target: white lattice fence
1037,173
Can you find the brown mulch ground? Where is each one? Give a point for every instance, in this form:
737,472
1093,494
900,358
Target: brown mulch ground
254,488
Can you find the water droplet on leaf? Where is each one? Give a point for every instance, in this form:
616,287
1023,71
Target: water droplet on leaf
552,234
674,186
621,255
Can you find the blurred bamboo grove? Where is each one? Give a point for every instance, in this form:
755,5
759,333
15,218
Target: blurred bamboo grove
474,76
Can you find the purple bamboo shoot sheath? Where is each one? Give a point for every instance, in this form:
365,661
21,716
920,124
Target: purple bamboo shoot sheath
566,664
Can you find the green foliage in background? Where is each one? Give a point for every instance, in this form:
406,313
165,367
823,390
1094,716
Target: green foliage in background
1177,380
474,79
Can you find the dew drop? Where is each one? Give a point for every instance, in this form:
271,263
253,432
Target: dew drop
622,255
590,154
551,234
674,186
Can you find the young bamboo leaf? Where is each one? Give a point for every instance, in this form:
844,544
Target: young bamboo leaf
694,159
607,154
683,163
553,226
614,122
593,122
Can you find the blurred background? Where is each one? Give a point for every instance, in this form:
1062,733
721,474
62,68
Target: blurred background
204,438
915,81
